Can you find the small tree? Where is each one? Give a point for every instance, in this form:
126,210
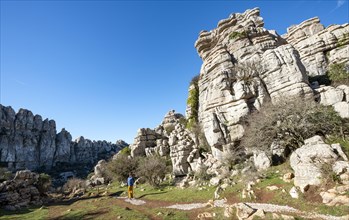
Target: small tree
153,169
338,73
120,167
193,102
74,184
126,151
5,174
290,123
44,183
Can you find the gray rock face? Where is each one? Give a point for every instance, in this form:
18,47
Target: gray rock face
21,191
99,176
337,97
149,141
261,160
319,47
28,142
308,162
243,65
168,139
183,151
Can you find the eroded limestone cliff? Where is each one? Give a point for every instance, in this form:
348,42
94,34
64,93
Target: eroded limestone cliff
243,66
28,141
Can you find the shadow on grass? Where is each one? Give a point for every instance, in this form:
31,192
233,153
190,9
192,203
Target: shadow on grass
148,194
71,200
65,202
116,194
21,211
89,215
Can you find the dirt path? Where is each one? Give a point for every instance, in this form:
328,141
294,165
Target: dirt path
223,203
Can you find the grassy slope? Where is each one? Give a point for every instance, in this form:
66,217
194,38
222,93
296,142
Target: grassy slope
93,206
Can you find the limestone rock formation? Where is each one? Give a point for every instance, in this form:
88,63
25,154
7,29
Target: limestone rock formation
99,177
243,65
183,151
318,46
149,141
21,191
172,139
337,97
29,142
310,160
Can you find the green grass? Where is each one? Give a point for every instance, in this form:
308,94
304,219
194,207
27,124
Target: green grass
343,142
34,213
175,194
108,207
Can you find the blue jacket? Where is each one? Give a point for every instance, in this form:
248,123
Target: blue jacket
130,181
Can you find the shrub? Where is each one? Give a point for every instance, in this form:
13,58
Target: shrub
5,174
74,184
120,167
183,121
201,174
201,140
290,123
233,157
237,35
338,73
44,183
126,151
193,102
153,169
344,142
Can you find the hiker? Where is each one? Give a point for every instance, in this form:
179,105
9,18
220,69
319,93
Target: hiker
130,183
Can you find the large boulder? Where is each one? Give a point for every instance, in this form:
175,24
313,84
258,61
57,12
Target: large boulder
21,191
309,160
261,160
330,95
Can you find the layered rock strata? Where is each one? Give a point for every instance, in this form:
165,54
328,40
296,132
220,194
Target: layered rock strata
28,141
318,46
244,65
169,139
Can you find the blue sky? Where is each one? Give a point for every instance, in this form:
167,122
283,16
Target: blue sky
103,69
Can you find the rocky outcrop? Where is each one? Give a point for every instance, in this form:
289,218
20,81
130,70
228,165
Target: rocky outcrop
318,46
155,141
243,65
149,141
100,176
337,97
21,191
183,151
29,142
172,139
313,160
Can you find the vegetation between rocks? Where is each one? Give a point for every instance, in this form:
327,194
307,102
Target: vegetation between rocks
289,123
193,102
338,73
